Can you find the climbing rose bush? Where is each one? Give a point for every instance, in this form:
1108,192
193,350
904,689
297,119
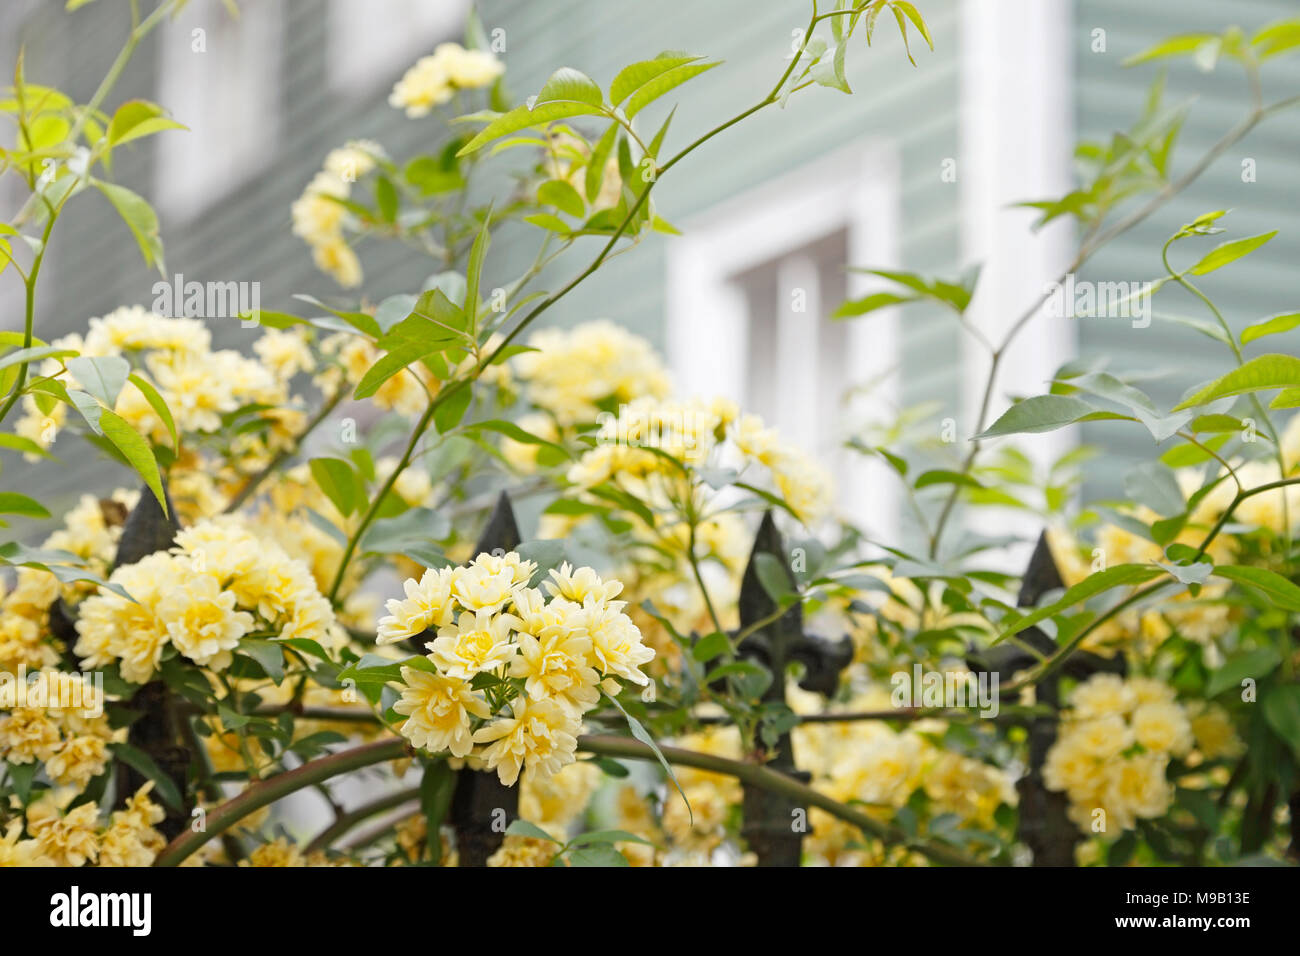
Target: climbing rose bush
538,606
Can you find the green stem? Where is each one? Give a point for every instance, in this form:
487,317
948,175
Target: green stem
1058,658
1095,240
348,820
138,32
457,384
774,782
268,791
1258,406
29,313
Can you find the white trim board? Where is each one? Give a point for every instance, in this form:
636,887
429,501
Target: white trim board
1017,142
855,189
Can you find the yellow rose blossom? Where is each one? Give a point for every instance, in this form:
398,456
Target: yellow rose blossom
434,79
428,604
539,734
479,641
438,711
15,851
489,583
69,839
202,621
554,667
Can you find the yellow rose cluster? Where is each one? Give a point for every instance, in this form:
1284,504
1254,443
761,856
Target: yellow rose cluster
175,355
91,531
870,762
68,732
318,216
1113,748
512,668
199,385
217,585
61,836
574,373
436,78
630,452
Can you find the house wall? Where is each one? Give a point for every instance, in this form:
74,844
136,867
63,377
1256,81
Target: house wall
94,266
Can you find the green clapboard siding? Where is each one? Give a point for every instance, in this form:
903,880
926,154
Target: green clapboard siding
94,266
1108,98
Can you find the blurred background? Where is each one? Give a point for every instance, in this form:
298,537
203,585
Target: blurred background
918,169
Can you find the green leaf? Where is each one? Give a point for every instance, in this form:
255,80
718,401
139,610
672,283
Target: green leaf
448,415
157,404
632,78
21,775
1287,398
89,408
18,356
390,364
511,430
386,198
1264,372
412,533
1278,323
668,80
522,828
361,321
1099,582
831,73
775,578
602,854
12,503
870,303
1043,413
101,376
474,273
336,478
64,565
640,734
594,177
751,679
1183,45
1155,486
567,83
902,29
608,836
137,118
24,445
558,193
139,218
1282,711
144,764
436,789
917,21
521,117
135,450
1230,252
1255,664
711,646
1276,39
940,476
269,654
1278,589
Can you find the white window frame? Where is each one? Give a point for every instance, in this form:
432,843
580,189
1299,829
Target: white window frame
855,189
1017,142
